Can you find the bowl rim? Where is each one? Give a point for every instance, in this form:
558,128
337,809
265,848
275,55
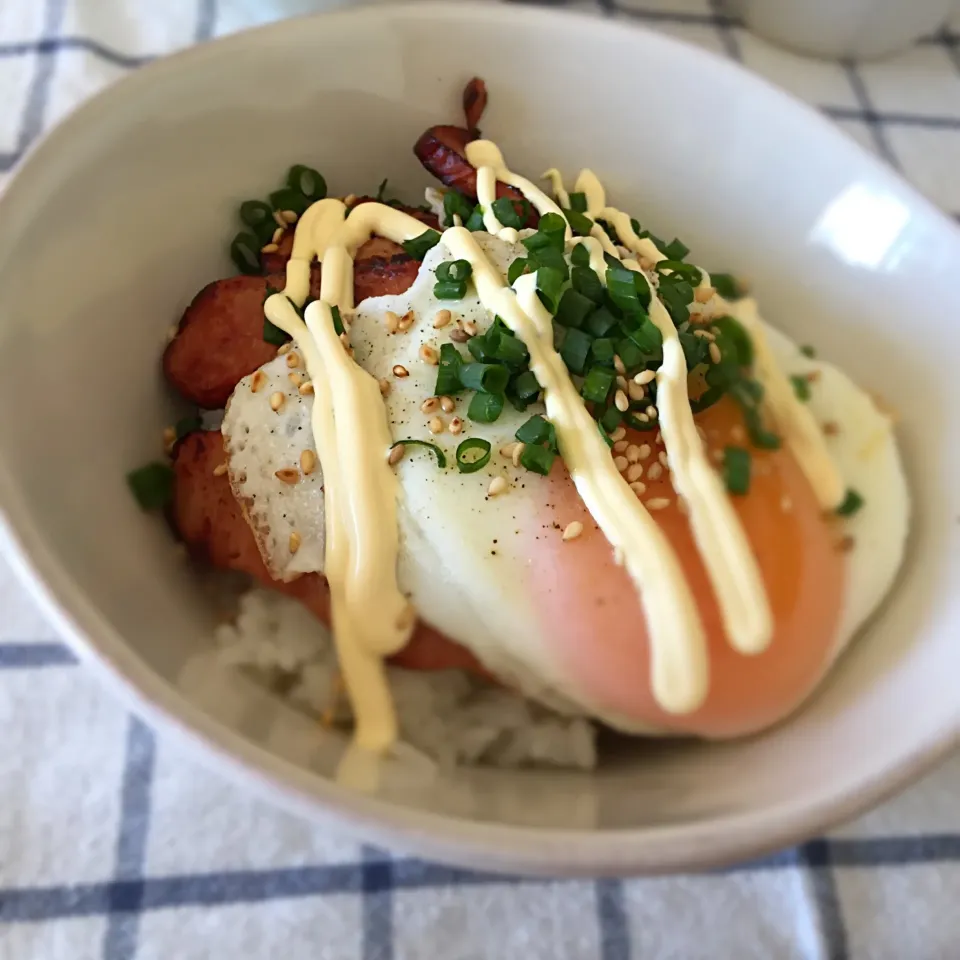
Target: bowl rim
712,842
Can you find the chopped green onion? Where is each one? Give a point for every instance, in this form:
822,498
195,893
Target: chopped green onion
485,407
419,246
676,295
450,290
512,351
187,425
693,275
273,334
507,213
628,289
609,231
337,319
611,419
537,459
631,355
578,202
542,241
473,454
575,349
597,384
526,386
441,456
258,216
490,377
808,351
588,284
475,222
456,204
603,432
696,350
382,191
481,348
602,351
536,430
152,485
748,394
309,183
601,322
448,371
518,268
551,257
553,225
852,502
454,270
289,199
549,284
580,255
573,308
578,222
733,335
636,424
675,250
801,387
648,338
736,469
245,253
726,285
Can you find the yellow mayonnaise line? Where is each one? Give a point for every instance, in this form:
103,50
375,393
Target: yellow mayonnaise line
371,617
556,185
679,668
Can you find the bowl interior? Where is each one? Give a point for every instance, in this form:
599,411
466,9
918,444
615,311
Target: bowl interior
123,214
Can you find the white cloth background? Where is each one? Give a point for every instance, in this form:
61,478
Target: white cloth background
115,845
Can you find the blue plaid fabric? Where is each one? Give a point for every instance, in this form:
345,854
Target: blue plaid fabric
115,846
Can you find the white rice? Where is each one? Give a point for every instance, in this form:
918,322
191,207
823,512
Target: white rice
447,715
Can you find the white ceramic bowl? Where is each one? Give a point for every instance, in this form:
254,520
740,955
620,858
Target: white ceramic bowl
121,215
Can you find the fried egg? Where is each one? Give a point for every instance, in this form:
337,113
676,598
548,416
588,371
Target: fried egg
559,619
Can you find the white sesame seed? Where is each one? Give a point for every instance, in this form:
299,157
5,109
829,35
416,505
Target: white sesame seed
618,434
220,469
293,359
621,402
633,453
638,488
658,503
717,455
645,451
400,371
285,348
620,463
715,355
392,321
497,486
345,340
289,475
470,328
662,457
350,199
436,425
618,365
705,335
786,504
620,446
517,453
308,462
278,235
704,294
430,405
448,404
642,417
737,433
307,388
456,426
651,412
644,377
269,248
655,471
384,386
429,355
442,318
646,264
277,400
279,219
396,454
295,378
290,216
572,530
507,450
635,391
407,321
634,472
294,542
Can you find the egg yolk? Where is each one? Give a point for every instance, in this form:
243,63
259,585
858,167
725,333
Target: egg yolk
593,618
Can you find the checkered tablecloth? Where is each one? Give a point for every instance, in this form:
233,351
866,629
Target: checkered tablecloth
115,845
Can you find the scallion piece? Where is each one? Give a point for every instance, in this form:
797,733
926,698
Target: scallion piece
450,290
603,433
808,351
675,250
611,419
679,269
489,377
628,289
475,222
648,338
631,355
507,212
536,430
580,255
726,285
310,184
188,425
573,308
578,202
517,269
485,407
641,425
258,216
549,284
337,319
382,191
801,387
575,349
448,371
597,384
852,502
473,454
273,334
245,253
736,469
526,386
512,351
587,284
676,295
289,199
601,322
455,270
554,225
152,485
734,335
456,204
419,246
579,223
440,455
537,459
602,351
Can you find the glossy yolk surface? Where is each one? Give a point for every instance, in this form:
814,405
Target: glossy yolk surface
594,621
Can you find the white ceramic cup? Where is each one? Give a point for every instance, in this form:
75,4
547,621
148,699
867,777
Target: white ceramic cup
847,29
